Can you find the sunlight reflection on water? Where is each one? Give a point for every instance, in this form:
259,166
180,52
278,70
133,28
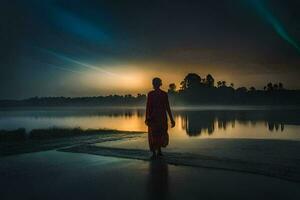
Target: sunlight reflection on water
203,123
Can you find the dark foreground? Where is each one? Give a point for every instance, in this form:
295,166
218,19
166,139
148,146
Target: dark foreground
116,165
60,175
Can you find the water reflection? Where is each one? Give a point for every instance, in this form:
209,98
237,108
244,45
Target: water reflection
195,123
158,180
189,122
273,126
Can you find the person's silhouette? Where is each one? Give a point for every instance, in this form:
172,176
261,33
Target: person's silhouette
156,118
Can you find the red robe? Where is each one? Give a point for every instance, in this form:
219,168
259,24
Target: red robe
156,118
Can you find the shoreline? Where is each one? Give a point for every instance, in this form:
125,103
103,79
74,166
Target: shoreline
287,171
21,144
229,157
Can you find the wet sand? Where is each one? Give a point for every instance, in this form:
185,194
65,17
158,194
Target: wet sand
61,175
275,158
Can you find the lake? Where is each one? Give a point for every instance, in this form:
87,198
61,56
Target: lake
197,122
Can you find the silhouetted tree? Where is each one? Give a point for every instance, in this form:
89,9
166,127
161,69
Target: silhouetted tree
241,90
232,85
191,80
252,89
280,85
210,81
172,88
270,86
224,83
219,83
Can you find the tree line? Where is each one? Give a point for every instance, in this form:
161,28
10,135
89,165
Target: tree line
193,90
196,90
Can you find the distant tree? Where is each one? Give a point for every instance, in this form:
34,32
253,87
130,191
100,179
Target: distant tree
219,83
128,95
275,86
269,86
252,89
210,81
232,85
190,81
224,83
141,97
280,85
265,88
241,90
172,88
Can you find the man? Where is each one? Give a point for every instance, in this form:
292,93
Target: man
156,118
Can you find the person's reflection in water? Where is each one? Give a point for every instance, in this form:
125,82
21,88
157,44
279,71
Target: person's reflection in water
158,180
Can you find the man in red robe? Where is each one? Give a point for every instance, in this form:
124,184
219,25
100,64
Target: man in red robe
156,118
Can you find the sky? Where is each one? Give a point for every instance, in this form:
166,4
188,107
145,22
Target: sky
94,47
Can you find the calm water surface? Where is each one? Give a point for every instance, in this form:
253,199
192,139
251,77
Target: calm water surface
201,122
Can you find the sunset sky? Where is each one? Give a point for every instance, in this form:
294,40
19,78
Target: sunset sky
92,47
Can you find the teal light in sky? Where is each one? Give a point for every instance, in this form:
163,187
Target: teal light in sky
265,13
69,22
78,63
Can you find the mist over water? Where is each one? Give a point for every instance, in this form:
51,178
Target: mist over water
201,122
